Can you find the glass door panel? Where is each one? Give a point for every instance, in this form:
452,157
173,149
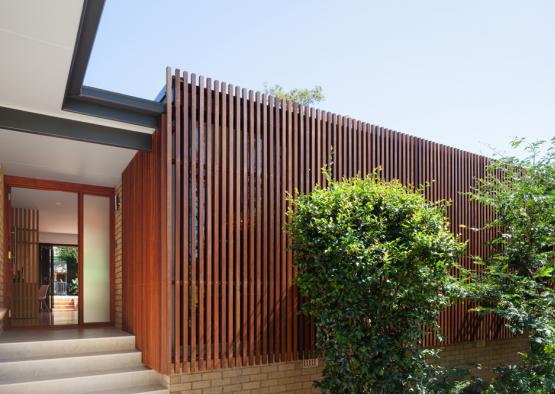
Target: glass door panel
96,259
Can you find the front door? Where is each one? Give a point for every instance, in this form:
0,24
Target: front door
96,240
60,251
44,245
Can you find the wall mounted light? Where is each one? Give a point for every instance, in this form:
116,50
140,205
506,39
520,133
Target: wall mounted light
117,201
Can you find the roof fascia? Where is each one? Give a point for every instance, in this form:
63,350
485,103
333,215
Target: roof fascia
99,102
34,123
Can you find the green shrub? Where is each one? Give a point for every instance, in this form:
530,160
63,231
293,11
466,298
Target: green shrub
517,283
374,260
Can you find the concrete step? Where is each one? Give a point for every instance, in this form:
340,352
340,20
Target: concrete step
150,389
117,379
64,303
34,368
90,360
24,350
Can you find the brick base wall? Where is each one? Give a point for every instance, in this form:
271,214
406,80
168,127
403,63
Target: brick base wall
291,377
488,354
286,377
118,284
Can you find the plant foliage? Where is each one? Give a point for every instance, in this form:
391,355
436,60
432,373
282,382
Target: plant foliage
373,260
517,284
301,96
69,255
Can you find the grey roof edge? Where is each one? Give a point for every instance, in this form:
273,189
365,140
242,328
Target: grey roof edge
35,123
97,102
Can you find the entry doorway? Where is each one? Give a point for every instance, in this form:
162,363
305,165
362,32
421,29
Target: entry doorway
60,253
59,271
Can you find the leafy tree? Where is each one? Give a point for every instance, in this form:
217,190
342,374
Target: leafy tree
374,260
517,284
301,96
69,255
73,287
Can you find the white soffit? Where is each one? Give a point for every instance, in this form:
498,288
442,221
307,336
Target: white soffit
38,156
37,39
57,210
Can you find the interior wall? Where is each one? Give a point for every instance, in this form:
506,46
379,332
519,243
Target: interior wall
58,238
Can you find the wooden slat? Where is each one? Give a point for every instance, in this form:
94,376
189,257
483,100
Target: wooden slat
201,146
260,220
240,260
223,226
272,249
231,232
339,154
305,151
166,214
177,224
193,223
253,313
244,228
312,149
216,224
209,225
295,188
276,227
185,136
283,241
263,227
318,148
289,261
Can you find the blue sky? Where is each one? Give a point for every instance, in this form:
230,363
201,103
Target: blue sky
471,74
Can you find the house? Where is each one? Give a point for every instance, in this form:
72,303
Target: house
173,211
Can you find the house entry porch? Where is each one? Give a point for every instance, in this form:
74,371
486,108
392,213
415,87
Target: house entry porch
58,234
75,360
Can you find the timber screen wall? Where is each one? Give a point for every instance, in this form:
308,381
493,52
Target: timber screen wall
142,273
228,158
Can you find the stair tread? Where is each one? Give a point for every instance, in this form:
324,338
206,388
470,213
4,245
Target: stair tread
12,336
133,390
22,342
60,376
72,355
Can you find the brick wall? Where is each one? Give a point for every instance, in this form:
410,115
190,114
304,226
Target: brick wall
286,377
118,290
291,377
488,354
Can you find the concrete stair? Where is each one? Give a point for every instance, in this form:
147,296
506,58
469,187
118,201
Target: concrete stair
74,361
63,305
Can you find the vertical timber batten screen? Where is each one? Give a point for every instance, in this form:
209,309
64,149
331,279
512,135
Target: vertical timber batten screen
143,247
234,156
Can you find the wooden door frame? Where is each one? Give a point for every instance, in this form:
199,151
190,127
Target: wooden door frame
81,190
